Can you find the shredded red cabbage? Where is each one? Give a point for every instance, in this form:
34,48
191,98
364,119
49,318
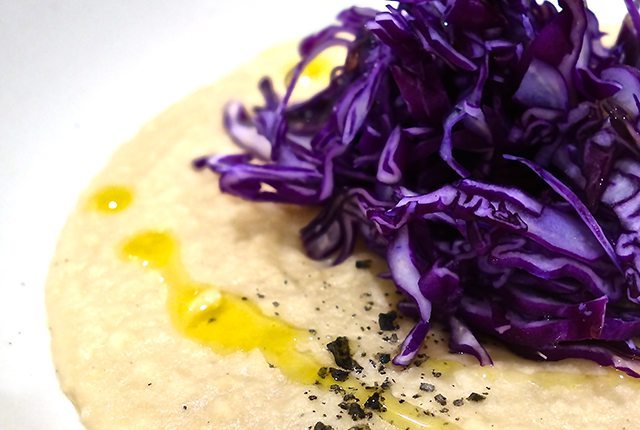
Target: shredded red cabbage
490,150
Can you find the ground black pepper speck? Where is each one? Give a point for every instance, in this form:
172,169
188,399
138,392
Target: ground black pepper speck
391,339
335,388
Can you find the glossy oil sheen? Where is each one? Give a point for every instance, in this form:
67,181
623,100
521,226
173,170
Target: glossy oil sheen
220,320
111,199
228,323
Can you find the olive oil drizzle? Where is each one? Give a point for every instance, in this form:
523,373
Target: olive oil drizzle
400,414
544,379
111,199
227,323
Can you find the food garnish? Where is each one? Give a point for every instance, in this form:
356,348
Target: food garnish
490,150
228,323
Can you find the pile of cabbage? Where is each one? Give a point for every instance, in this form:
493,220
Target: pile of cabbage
489,150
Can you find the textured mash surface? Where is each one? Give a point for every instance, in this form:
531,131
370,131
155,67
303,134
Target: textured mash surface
124,365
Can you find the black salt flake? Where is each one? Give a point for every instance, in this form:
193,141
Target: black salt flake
363,264
373,402
440,399
341,352
475,397
387,321
429,388
338,374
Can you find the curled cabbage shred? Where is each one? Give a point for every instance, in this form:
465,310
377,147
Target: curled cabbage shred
489,150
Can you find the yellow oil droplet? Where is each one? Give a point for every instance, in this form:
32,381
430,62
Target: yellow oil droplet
154,249
228,323
317,74
111,199
319,67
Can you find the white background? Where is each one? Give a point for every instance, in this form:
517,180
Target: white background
78,77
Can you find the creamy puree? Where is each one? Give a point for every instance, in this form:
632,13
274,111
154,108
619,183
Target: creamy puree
128,362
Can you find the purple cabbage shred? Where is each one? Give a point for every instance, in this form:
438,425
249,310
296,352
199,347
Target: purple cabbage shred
489,150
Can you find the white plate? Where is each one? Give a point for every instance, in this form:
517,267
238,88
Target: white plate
77,78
